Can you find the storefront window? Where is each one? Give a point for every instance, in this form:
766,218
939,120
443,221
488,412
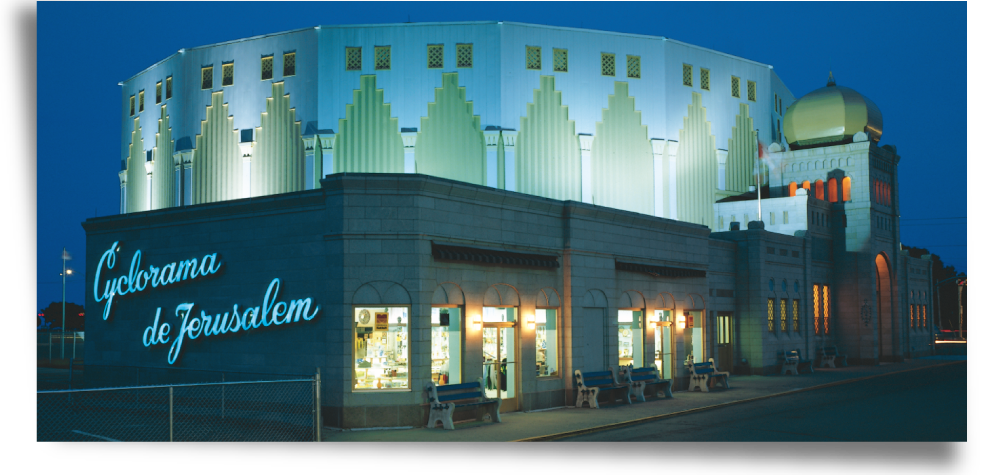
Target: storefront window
381,348
693,336
664,356
546,342
446,345
631,338
498,352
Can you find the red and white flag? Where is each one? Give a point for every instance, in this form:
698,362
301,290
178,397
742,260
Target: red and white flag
66,255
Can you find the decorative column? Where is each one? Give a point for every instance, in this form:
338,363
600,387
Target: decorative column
148,168
409,135
586,182
311,173
722,159
183,160
327,139
491,136
245,146
660,179
509,136
673,148
122,192
776,180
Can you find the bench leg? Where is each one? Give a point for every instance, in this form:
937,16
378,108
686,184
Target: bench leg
789,367
441,413
638,391
626,394
495,415
667,387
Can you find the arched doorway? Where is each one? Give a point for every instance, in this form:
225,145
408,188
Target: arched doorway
883,301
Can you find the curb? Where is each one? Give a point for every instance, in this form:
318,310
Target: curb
642,420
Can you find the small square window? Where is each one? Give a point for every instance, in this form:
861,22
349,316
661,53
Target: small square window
795,254
533,57
771,218
705,79
140,100
463,55
267,68
751,90
608,64
785,217
770,250
289,64
132,105
633,66
559,60
353,58
157,93
687,75
735,92
168,82
207,82
435,56
382,58
227,74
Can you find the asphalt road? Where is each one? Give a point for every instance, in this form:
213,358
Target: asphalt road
922,405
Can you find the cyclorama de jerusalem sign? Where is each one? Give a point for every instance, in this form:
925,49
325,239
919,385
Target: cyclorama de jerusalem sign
137,280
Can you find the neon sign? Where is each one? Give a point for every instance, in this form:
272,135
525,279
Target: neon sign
192,327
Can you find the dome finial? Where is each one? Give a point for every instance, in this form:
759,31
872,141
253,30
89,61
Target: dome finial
830,81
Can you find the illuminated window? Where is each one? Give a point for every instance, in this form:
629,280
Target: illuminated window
446,345
751,90
382,58
132,105
382,348
168,88
806,185
735,88
289,64
846,188
157,93
207,82
687,75
547,338
353,58
792,189
559,60
826,309
705,79
140,100
831,186
464,55
630,324
533,57
227,74
783,315
815,308
266,65
435,56
794,315
608,64
923,315
819,192
913,324
770,314
633,66
785,217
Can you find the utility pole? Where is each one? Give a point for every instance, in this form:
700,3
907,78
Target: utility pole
65,257
960,285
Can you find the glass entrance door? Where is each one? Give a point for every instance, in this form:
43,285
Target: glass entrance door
498,360
726,355
664,341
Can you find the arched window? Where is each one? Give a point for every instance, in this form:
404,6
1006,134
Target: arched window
819,192
846,188
805,184
792,189
832,190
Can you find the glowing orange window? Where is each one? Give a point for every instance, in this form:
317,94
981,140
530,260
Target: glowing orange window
805,184
792,189
819,190
832,190
846,188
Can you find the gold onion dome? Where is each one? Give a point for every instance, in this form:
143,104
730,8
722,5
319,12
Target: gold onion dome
830,116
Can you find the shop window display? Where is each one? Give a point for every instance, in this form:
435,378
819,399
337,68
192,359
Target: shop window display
498,352
547,363
693,335
631,337
446,345
381,348
664,354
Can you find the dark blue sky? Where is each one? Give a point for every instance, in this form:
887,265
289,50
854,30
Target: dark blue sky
909,58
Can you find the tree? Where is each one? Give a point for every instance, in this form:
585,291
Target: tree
947,291
52,317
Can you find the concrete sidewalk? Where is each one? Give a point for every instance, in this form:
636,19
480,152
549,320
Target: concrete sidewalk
549,424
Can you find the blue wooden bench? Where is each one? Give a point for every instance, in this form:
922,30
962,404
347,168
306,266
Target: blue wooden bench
789,362
804,363
445,399
591,384
829,356
639,379
705,375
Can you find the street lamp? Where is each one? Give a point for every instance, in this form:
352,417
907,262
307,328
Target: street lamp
65,257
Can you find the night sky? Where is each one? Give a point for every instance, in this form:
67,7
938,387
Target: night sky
909,58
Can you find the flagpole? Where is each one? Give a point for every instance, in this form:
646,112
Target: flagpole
63,327
759,178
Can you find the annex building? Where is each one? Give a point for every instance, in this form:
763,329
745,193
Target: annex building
396,204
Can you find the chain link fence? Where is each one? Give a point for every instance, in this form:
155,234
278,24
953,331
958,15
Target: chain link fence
246,411
59,345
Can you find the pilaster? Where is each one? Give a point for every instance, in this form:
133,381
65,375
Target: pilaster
509,136
660,178
245,146
491,137
185,157
671,149
586,144
122,192
311,170
722,159
327,140
409,136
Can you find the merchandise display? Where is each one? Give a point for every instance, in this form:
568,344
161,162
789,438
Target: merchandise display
381,352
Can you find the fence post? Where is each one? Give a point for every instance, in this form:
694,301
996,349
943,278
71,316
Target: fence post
50,346
318,405
171,414
222,396
71,375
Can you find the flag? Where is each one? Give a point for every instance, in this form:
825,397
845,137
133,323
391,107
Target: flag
66,255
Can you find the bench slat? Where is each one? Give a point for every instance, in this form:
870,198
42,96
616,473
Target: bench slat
455,387
455,397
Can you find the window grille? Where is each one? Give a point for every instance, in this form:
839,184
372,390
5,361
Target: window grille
267,68
783,315
608,64
383,58
533,57
168,88
794,315
464,55
157,93
289,64
687,75
227,74
435,56
132,105
751,89
923,315
826,309
770,314
705,79
815,307
735,87
559,60
633,67
353,58
140,100
207,78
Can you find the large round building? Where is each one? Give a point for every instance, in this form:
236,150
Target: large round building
448,202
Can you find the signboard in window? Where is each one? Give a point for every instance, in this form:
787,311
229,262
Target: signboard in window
689,321
381,321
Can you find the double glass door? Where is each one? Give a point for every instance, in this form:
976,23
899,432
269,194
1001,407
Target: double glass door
664,341
499,360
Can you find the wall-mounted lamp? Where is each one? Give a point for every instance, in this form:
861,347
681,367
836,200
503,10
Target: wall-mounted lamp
652,321
477,322
681,321
530,322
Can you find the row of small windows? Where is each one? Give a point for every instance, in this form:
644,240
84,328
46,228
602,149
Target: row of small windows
138,99
821,309
882,192
736,82
821,192
782,318
265,68
918,316
883,223
383,57
779,105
